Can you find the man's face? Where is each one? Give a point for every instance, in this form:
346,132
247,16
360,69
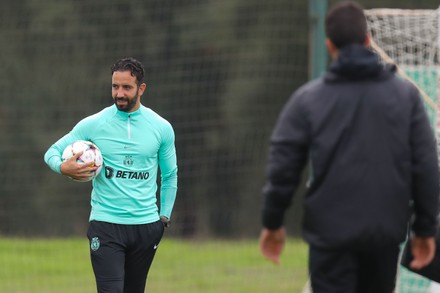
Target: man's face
125,91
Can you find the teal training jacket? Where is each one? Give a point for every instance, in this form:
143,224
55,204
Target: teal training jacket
134,145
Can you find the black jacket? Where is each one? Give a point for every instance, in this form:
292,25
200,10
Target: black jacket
371,151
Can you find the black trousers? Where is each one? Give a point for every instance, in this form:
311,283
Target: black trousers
353,271
121,255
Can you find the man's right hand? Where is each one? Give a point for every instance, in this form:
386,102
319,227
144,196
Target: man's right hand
272,243
78,171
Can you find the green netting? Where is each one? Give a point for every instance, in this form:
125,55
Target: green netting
427,79
410,282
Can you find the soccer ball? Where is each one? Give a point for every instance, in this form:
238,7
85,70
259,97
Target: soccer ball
91,153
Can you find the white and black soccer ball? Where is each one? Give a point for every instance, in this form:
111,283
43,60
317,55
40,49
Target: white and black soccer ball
91,153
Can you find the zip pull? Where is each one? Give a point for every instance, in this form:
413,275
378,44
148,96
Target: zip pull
128,127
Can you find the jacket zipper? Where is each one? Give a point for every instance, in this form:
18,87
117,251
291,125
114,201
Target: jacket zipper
128,127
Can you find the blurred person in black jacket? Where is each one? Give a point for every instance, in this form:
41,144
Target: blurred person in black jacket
373,164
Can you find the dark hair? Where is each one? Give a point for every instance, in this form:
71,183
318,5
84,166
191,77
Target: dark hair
130,64
346,24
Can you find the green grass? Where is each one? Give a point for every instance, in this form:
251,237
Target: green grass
53,266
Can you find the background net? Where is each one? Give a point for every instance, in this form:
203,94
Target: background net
410,39
219,71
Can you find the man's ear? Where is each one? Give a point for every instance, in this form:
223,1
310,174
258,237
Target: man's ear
331,48
367,41
142,88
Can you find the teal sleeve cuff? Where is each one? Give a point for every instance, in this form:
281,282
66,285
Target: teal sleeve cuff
167,199
53,160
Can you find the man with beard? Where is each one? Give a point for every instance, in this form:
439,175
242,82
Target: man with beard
126,224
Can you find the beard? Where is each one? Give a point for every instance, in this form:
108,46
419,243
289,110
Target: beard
125,104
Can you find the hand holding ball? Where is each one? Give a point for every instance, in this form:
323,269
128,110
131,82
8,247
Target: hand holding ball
90,155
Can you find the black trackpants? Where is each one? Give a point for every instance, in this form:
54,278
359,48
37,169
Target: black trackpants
121,255
353,271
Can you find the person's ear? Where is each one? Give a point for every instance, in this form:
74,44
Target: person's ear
142,88
367,41
331,48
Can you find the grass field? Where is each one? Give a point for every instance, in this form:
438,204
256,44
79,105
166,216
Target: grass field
63,265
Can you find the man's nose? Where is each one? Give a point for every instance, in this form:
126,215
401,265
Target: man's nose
119,94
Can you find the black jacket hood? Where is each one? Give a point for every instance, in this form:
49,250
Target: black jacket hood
356,62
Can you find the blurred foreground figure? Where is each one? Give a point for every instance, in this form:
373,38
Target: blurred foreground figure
373,163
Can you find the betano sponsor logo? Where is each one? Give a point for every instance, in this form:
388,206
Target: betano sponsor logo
140,175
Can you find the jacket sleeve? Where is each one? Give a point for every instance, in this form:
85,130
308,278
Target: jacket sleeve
52,157
288,153
168,168
425,173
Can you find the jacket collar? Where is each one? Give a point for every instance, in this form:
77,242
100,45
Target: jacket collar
356,62
123,114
